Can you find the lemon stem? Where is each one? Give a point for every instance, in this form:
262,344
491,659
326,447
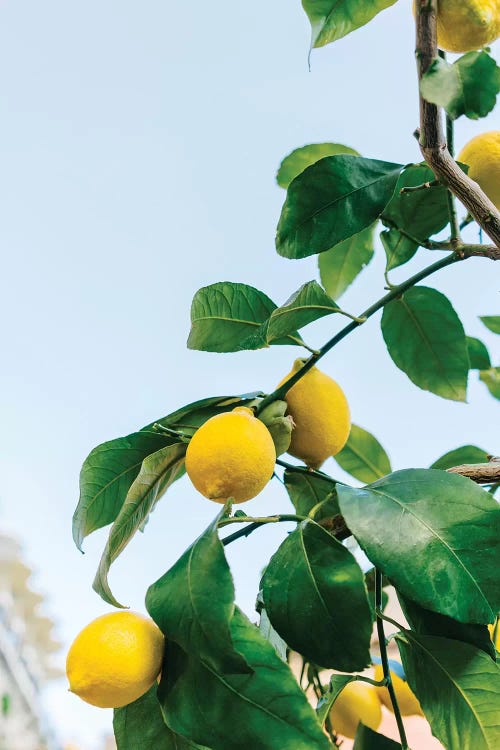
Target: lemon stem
452,208
385,660
254,523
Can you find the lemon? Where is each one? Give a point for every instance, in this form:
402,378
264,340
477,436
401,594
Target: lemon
496,643
357,702
482,154
115,659
231,455
465,25
321,414
407,702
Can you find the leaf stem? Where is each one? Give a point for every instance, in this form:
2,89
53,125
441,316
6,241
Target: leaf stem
452,206
385,660
254,523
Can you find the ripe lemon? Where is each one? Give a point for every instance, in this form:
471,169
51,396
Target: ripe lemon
115,659
357,702
482,154
407,701
321,414
496,643
465,25
231,455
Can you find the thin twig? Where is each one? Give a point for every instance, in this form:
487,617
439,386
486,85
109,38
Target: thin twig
480,473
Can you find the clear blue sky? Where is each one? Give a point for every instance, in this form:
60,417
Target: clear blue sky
138,148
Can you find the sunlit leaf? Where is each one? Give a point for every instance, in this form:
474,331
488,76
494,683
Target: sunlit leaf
492,322
339,266
301,158
491,379
466,454
363,457
333,19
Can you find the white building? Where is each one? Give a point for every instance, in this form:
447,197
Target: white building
26,648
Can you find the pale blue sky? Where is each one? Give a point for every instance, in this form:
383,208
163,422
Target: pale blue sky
139,143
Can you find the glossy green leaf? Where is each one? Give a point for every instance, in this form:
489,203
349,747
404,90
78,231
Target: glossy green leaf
420,213
339,266
193,603
301,158
452,529
478,354
333,19
398,248
466,454
333,200
141,725
307,304
425,338
188,418
105,479
491,379
337,684
458,688
363,457
492,322
265,710
312,495
313,591
367,739
158,472
467,87
424,622
370,587
268,632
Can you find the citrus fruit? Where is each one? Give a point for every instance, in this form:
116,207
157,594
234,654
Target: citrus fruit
465,25
231,455
496,642
482,154
407,701
321,414
115,659
357,702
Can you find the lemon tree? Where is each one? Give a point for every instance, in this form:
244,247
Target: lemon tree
199,674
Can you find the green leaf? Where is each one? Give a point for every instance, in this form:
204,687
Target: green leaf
492,322
141,725
307,304
105,479
188,418
158,472
398,248
491,379
420,213
312,495
467,87
268,632
363,457
424,622
339,266
370,587
333,200
425,338
313,591
193,603
301,158
367,739
450,525
265,710
478,354
466,454
457,686
337,684
333,19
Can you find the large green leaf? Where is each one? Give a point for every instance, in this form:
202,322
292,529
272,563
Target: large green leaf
141,725
307,304
467,87
331,201
458,688
492,322
337,684
426,339
312,495
188,418
451,528
363,457
425,622
333,19
466,454
313,591
157,473
420,213
479,357
491,379
265,710
339,266
193,603
398,248
105,479
367,739
301,158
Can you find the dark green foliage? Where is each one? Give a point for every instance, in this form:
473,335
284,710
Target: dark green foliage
466,454
339,266
301,158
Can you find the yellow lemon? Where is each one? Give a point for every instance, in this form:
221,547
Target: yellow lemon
115,659
407,701
482,154
231,455
465,25
357,702
320,411
496,642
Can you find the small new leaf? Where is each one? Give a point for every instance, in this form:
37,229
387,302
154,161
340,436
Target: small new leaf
333,19
491,379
